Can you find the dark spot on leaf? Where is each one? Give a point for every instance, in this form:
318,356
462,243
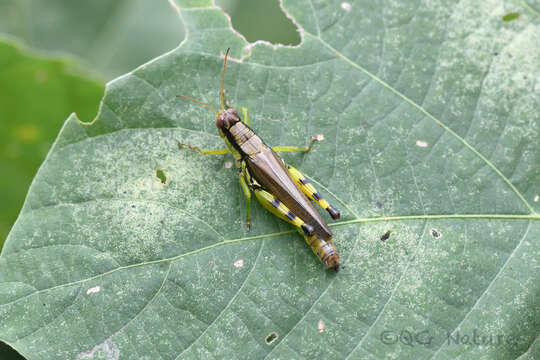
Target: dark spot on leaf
379,205
133,206
385,236
160,174
435,233
496,53
271,338
510,16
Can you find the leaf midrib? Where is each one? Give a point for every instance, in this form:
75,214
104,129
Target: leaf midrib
529,217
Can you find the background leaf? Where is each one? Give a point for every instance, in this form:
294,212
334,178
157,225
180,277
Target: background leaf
431,125
35,93
113,37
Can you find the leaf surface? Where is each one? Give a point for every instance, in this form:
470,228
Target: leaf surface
430,114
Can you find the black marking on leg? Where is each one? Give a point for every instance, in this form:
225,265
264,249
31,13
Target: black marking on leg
275,203
334,213
291,215
308,229
317,196
304,181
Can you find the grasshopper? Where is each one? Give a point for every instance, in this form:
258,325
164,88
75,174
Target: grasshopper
279,187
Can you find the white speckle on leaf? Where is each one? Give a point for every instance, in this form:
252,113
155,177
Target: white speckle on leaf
93,290
105,350
536,198
239,263
228,164
346,6
321,326
421,143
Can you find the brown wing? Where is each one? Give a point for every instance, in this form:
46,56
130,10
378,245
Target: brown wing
268,169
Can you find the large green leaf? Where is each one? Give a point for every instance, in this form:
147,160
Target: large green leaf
430,113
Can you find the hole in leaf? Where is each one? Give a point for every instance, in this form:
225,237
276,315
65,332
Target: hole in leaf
271,338
160,174
385,236
261,20
435,233
510,16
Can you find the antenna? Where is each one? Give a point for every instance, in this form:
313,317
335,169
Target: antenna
199,102
220,93
223,80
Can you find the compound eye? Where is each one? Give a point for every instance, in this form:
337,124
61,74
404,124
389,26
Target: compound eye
219,122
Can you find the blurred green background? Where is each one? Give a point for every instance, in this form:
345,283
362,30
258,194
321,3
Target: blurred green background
57,55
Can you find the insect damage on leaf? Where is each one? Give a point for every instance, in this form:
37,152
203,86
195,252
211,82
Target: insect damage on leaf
510,16
385,236
93,290
435,233
273,336
239,263
160,174
321,326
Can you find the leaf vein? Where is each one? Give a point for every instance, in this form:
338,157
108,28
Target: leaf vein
430,116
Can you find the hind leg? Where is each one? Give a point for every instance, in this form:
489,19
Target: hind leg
309,190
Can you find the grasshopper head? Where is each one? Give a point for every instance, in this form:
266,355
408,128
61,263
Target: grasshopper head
227,118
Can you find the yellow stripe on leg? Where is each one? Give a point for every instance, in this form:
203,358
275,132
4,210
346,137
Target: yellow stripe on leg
276,207
307,188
